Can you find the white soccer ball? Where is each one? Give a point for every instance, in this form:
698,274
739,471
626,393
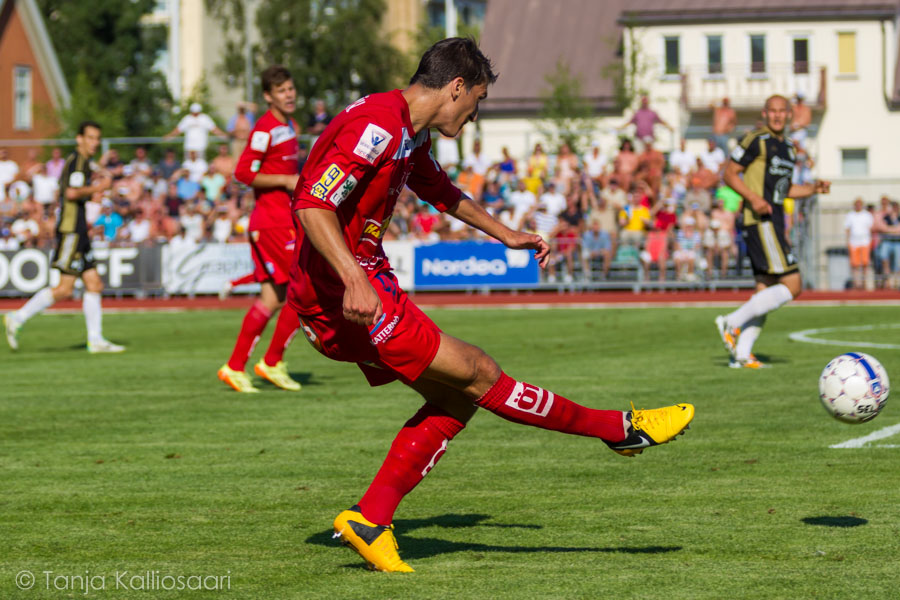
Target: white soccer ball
854,387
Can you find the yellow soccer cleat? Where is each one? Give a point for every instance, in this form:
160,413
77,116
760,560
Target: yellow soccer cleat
653,427
276,375
375,543
729,336
236,379
103,346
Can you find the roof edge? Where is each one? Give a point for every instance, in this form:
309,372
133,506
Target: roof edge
45,52
725,15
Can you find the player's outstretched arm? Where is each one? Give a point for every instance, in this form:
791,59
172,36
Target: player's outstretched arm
472,214
819,186
361,303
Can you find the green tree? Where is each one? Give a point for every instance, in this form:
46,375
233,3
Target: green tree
335,49
107,54
565,115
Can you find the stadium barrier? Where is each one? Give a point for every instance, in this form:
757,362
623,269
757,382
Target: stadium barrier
189,268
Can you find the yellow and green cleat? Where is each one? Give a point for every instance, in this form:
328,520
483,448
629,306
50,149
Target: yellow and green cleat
277,375
237,380
374,543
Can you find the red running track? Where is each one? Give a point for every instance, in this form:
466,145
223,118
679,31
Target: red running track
612,298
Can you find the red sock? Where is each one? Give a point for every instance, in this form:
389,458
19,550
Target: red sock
415,450
248,278
252,327
285,327
530,405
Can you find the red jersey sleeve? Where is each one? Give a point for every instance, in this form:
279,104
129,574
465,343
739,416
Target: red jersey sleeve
251,159
346,155
429,181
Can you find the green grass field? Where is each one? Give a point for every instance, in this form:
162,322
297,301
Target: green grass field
146,462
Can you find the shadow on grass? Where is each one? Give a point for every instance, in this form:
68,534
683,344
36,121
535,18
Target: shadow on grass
844,521
415,547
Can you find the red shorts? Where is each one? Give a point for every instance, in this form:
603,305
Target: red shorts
400,346
272,250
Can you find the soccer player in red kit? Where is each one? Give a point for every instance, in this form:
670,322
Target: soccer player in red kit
269,165
352,309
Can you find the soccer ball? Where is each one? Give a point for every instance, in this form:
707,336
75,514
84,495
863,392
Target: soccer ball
854,387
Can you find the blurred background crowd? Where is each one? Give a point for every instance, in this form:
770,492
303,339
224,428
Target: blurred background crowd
669,215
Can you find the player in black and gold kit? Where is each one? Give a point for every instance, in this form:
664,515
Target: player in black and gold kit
760,170
81,178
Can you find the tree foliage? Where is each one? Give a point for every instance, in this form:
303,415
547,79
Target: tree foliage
565,115
335,49
107,55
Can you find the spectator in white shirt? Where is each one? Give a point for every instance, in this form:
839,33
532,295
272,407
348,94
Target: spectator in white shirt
196,166
595,163
45,189
554,201
192,222
195,127
447,152
8,241
476,160
714,157
682,159
521,201
858,225
8,171
221,224
138,229
26,230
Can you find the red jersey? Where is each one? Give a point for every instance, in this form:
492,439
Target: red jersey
357,168
271,149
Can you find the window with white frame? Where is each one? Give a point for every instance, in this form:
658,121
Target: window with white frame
714,54
801,55
22,97
757,54
854,162
672,58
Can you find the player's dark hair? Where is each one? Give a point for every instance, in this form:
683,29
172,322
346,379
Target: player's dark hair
82,127
452,58
273,76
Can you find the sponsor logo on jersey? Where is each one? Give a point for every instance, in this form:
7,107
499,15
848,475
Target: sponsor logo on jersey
281,134
373,230
328,182
76,179
343,191
259,141
255,165
386,331
372,143
408,144
737,154
530,399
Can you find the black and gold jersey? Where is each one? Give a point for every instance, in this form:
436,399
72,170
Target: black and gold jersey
768,168
76,173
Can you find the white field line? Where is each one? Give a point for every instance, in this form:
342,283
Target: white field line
859,442
806,336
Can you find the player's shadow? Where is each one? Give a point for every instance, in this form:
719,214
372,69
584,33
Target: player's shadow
419,547
842,521
765,359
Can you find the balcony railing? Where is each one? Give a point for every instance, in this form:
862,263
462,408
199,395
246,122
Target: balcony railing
747,85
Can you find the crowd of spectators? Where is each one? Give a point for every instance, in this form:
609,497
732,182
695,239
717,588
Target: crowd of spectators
671,216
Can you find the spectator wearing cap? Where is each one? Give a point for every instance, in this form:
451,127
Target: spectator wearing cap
195,127
109,221
645,120
8,241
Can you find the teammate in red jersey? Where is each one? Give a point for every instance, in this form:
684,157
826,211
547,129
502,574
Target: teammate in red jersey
352,309
269,165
